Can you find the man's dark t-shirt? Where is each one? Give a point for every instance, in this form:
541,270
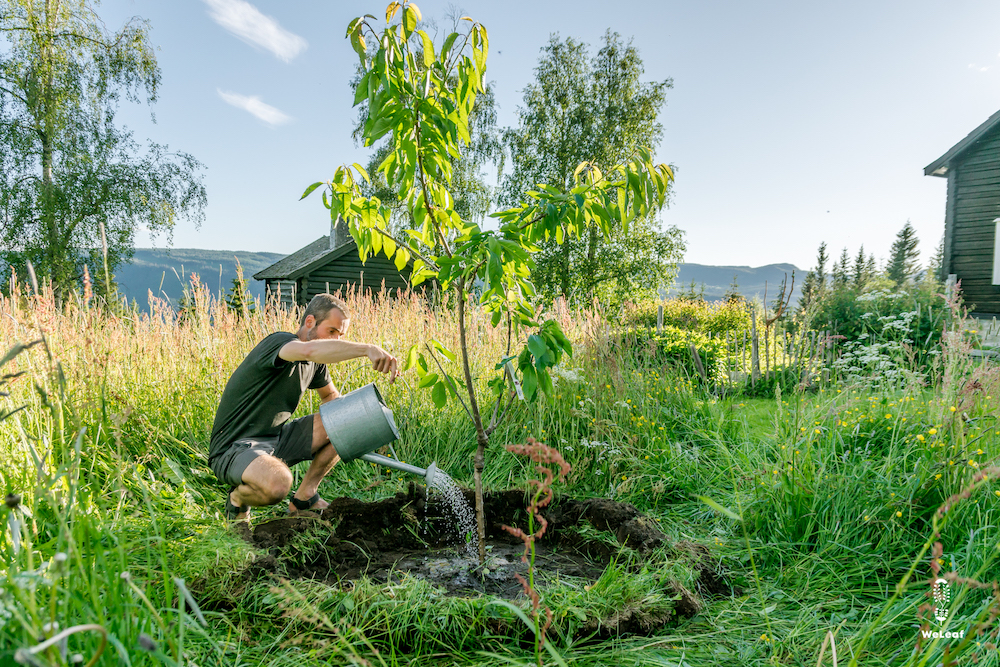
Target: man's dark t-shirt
263,393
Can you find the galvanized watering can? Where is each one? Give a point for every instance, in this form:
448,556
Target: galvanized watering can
360,422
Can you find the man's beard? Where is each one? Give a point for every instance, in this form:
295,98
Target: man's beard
311,334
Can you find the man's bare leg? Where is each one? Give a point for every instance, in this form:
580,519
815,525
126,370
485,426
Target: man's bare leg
324,458
265,481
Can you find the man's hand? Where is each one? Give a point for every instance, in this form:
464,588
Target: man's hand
383,362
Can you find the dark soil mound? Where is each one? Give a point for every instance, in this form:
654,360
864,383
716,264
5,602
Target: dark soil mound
408,534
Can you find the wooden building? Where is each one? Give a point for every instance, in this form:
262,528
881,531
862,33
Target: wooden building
972,215
328,264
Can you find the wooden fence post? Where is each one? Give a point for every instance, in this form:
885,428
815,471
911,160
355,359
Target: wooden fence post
754,349
697,362
659,319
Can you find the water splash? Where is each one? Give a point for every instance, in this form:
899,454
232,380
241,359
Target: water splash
464,517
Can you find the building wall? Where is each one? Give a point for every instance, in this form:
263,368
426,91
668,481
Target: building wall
347,272
284,290
974,204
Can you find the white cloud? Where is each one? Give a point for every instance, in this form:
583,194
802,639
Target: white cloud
974,66
253,104
246,22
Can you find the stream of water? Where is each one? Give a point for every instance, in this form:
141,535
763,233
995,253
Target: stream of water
465,518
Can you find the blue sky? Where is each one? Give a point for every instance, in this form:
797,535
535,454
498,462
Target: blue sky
790,123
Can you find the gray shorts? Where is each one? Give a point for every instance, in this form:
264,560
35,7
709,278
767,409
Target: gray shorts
293,444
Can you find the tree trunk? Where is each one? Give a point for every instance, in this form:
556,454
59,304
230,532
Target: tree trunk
53,254
564,277
481,438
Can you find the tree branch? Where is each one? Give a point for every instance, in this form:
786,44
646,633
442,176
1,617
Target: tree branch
448,380
496,421
425,260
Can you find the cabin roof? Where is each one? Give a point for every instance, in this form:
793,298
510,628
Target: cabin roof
304,260
941,165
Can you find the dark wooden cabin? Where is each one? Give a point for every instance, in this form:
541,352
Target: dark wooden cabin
328,264
972,215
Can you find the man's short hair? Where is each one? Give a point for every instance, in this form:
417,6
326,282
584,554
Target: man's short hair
320,308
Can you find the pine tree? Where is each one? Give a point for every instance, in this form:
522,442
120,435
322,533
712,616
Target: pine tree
732,294
904,256
937,262
860,275
814,285
693,293
238,298
842,270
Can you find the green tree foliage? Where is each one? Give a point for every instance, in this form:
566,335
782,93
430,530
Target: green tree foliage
596,110
693,292
733,294
860,273
814,285
861,305
841,271
422,99
474,197
936,266
66,168
238,298
904,258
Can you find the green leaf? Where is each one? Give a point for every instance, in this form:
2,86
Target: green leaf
411,358
544,381
361,92
428,48
361,170
539,350
439,394
529,382
389,246
719,508
443,350
310,189
402,257
409,20
427,380
447,44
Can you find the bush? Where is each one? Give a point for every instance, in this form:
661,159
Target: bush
691,315
673,347
908,320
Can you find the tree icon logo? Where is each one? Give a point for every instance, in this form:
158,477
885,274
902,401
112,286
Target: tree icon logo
942,595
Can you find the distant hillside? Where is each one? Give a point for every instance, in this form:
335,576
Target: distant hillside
162,270
166,270
716,279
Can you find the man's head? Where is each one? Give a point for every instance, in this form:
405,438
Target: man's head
326,316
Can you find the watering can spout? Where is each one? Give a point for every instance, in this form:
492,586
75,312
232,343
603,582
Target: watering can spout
429,474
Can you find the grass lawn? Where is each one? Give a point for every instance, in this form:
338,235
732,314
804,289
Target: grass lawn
815,514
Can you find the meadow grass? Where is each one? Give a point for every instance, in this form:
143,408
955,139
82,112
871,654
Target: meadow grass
835,493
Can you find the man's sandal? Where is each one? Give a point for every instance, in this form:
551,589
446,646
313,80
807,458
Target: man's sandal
303,505
232,511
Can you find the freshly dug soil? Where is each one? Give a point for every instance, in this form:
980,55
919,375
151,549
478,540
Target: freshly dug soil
409,534
406,533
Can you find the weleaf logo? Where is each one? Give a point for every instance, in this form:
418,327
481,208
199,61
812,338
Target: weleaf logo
942,595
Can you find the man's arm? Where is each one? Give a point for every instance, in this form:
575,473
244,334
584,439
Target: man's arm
328,393
332,351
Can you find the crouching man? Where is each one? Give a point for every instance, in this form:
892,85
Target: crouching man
253,440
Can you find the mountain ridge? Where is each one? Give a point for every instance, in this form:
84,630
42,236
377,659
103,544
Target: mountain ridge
165,272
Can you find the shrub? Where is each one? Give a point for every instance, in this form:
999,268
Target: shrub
673,347
716,317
